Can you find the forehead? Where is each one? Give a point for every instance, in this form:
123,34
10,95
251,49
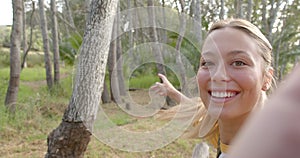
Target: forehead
228,40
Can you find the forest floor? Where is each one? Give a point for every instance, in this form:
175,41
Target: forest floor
29,138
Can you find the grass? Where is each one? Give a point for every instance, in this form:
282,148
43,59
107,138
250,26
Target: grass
143,82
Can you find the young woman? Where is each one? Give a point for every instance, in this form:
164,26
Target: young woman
234,74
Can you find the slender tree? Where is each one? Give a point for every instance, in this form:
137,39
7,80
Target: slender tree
55,43
15,63
112,65
24,35
239,8
264,16
30,38
105,94
198,21
121,81
71,137
249,10
69,13
222,11
154,37
46,48
179,63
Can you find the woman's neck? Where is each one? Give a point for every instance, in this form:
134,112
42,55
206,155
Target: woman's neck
230,127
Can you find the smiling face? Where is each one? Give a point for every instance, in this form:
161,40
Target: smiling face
230,75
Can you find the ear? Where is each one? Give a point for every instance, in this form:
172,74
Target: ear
268,76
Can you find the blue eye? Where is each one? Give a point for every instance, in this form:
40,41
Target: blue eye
238,63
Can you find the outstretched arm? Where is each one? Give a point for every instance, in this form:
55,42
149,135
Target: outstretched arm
167,89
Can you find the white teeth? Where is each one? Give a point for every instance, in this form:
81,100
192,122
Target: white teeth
223,94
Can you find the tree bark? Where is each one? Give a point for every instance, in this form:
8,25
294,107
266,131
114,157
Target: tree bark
222,11
273,16
238,8
198,20
30,40
105,94
15,63
112,68
69,14
264,17
121,81
44,30
87,9
154,38
249,10
164,37
178,46
24,64
55,43
71,137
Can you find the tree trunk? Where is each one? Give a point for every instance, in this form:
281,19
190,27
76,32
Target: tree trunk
154,38
120,74
105,94
164,37
222,11
249,10
264,17
273,16
30,40
119,59
156,49
44,30
239,8
178,46
71,137
270,24
198,20
139,35
130,33
24,64
55,43
112,68
69,14
15,63
87,9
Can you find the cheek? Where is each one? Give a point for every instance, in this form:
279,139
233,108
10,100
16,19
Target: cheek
203,77
248,80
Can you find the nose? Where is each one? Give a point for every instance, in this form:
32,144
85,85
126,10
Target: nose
220,74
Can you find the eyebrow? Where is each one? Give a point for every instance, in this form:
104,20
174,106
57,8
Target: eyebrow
232,52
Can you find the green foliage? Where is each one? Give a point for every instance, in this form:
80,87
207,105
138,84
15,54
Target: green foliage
188,50
4,58
69,48
145,81
33,58
145,76
5,35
